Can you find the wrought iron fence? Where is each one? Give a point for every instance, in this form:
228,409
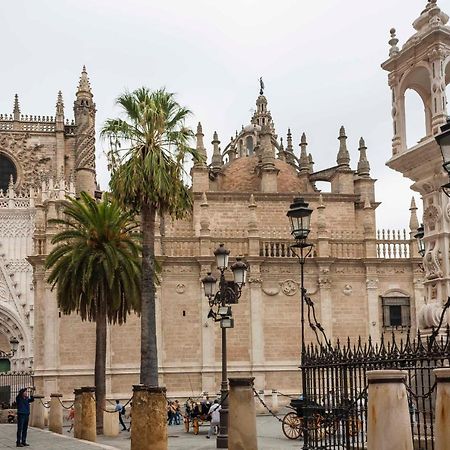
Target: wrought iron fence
10,384
337,387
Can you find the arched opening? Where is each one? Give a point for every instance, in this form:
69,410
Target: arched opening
5,365
249,145
415,118
7,170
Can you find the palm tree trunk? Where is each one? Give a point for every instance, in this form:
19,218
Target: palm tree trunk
149,352
100,365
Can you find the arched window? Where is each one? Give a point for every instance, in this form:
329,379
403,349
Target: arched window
249,145
7,169
415,118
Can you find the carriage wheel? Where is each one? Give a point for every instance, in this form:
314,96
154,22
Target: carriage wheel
195,425
186,424
354,425
292,426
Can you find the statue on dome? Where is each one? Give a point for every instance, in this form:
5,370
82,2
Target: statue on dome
261,86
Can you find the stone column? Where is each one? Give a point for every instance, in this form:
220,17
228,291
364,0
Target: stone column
37,412
55,417
149,415
373,304
388,419
442,413
241,415
88,423
78,414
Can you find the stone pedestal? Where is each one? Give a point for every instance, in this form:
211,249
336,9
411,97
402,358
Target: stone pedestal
388,426
37,412
78,414
241,415
149,416
111,423
55,417
442,415
88,423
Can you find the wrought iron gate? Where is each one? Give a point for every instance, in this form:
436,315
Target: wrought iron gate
10,384
336,385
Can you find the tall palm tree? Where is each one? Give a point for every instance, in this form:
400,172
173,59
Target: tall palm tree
148,149
95,267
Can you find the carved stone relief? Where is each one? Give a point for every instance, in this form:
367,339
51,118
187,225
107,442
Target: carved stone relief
289,287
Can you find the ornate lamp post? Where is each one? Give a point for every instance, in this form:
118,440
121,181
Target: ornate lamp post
14,346
443,140
300,217
229,293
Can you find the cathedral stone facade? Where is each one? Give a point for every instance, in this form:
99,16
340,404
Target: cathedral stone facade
364,282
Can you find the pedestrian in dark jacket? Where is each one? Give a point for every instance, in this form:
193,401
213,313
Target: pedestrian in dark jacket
23,413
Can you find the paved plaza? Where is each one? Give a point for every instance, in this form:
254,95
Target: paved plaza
270,437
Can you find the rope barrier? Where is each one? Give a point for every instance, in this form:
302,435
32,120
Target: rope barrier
44,405
111,412
417,396
66,407
265,406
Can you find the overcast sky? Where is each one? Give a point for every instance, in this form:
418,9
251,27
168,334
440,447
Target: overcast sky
320,61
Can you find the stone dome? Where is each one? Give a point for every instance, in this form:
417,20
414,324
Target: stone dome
240,175
250,128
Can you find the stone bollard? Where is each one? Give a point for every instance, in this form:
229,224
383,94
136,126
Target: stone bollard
442,414
111,423
388,418
274,401
241,415
149,418
37,412
55,417
88,422
77,416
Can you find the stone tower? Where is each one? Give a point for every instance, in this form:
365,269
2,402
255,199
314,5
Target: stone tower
84,111
422,64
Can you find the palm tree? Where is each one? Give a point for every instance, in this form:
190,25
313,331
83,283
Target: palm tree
147,177
95,267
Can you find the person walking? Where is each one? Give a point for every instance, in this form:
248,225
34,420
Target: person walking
121,410
23,414
215,418
71,418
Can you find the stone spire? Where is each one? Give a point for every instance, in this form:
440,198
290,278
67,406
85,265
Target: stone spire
393,43
84,85
290,157
343,157
413,221
16,109
201,150
281,153
217,161
363,163
304,158
84,111
311,163
59,108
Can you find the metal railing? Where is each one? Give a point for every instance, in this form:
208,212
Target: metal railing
337,387
10,384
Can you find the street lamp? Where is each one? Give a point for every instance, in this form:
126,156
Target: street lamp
220,310
420,241
300,217
443,140
14,346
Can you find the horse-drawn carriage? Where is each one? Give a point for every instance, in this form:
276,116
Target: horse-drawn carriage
196,415
321,421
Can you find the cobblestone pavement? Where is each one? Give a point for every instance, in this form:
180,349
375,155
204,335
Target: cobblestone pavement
270,437
44,440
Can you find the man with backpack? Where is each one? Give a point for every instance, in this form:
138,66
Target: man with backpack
121,410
